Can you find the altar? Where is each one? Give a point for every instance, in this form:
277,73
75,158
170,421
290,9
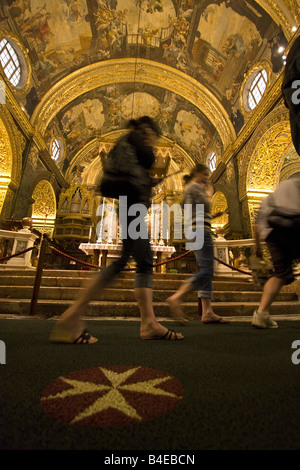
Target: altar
104,253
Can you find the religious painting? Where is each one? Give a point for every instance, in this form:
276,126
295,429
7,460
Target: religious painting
81,122
137,22
56,31
139,104
225,41
111,107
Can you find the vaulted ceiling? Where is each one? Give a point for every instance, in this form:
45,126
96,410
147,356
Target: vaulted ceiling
97,63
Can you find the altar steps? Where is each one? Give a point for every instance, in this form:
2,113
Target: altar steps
233,296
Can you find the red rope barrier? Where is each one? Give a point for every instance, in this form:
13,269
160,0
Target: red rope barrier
74,259
157,264
233,267
240,270
99,267
17,254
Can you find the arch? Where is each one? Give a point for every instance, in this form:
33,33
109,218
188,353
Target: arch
281,14
89,155
10,162
256,173
267,158
291,164
44,207
6,163
133,70
261,161
219,204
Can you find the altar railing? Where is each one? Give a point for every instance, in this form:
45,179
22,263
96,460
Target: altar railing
233,254
103,253
17,242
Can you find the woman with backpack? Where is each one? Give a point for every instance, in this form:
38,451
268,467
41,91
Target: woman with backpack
70,329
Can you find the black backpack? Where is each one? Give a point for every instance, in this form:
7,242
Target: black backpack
123,175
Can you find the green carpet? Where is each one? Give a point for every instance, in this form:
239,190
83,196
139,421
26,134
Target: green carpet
237,387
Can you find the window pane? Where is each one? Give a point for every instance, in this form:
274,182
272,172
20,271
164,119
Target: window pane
10,62
257,89
56,149
212,161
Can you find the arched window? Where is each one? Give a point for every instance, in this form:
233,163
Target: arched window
57,150
257,88
212,161
10,62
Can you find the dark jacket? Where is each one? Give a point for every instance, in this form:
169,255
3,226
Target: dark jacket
127,170
291,96
146,159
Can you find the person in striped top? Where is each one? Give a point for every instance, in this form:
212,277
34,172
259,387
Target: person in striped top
198,192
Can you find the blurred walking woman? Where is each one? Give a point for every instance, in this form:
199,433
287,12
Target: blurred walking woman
198,191
70,329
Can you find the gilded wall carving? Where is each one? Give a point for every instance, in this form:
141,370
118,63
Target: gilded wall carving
44,201
260,162
10,161
12,144
290,170
267,158
219,204
34,157
253,155
285,12
6,158
6,201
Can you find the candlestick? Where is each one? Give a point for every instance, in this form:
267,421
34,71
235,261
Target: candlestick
110,240
101,223
43,231
151,221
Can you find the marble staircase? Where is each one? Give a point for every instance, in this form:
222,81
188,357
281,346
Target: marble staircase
233,295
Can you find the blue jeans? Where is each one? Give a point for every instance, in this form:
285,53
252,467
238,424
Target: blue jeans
202,280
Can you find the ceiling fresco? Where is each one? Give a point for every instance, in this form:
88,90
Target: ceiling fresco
110,108
214,42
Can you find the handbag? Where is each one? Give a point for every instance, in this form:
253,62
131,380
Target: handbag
122,173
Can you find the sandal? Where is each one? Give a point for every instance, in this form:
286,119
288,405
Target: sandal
84,338
60,335
170,335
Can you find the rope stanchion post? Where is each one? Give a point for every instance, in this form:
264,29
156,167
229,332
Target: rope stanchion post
38,276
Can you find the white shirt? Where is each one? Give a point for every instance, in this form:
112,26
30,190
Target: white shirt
285,199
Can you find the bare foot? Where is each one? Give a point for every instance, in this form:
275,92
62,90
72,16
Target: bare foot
176,310
211,317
